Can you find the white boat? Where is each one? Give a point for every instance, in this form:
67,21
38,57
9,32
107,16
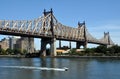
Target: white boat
36,68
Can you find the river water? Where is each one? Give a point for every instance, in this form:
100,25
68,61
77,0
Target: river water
78,68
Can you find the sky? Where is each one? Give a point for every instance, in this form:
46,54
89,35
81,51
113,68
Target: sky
100,15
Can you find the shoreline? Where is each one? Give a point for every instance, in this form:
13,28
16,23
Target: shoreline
87,57
12,56
23,56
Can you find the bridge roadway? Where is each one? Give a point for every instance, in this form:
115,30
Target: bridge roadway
49,30
36,35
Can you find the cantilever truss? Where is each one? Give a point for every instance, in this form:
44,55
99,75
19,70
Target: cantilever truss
47,26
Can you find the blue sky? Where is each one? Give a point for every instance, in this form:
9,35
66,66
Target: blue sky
100,15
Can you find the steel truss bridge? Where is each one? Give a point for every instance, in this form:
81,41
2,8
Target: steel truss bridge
49,29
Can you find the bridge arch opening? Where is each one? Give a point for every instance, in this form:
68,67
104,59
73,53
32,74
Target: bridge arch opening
48,47
81,47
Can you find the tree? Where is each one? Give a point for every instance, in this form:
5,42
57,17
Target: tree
72,51
90,50
101,49
9,51
2,51
24,51
87,50
114,49
17,51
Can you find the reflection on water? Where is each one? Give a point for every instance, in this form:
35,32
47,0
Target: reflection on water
79,68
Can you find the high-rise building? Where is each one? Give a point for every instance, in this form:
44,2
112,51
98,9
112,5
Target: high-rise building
12,42
25,43
4,43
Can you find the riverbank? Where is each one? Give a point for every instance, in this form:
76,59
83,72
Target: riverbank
87,56
63,56
13,56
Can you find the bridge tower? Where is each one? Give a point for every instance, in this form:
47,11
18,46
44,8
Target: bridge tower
51,41
82,43
108,39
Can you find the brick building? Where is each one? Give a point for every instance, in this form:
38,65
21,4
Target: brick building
4,43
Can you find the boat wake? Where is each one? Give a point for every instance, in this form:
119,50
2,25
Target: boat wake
36,68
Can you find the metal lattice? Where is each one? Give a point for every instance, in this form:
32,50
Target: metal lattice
46,25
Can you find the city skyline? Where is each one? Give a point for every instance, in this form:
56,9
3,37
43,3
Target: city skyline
100,16
21,43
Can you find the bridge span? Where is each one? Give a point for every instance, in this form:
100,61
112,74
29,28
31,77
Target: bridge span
49,29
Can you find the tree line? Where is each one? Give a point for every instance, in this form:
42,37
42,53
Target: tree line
97,51
12,51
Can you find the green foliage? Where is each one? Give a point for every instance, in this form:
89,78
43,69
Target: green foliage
9,51
17,51
114,49
90,50
2,52
101,49
72,51
75,52
24,51
98,51
12,51
87,50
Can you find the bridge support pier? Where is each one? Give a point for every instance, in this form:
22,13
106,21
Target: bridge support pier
53,47
59,43
79,44
43,47
52,42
